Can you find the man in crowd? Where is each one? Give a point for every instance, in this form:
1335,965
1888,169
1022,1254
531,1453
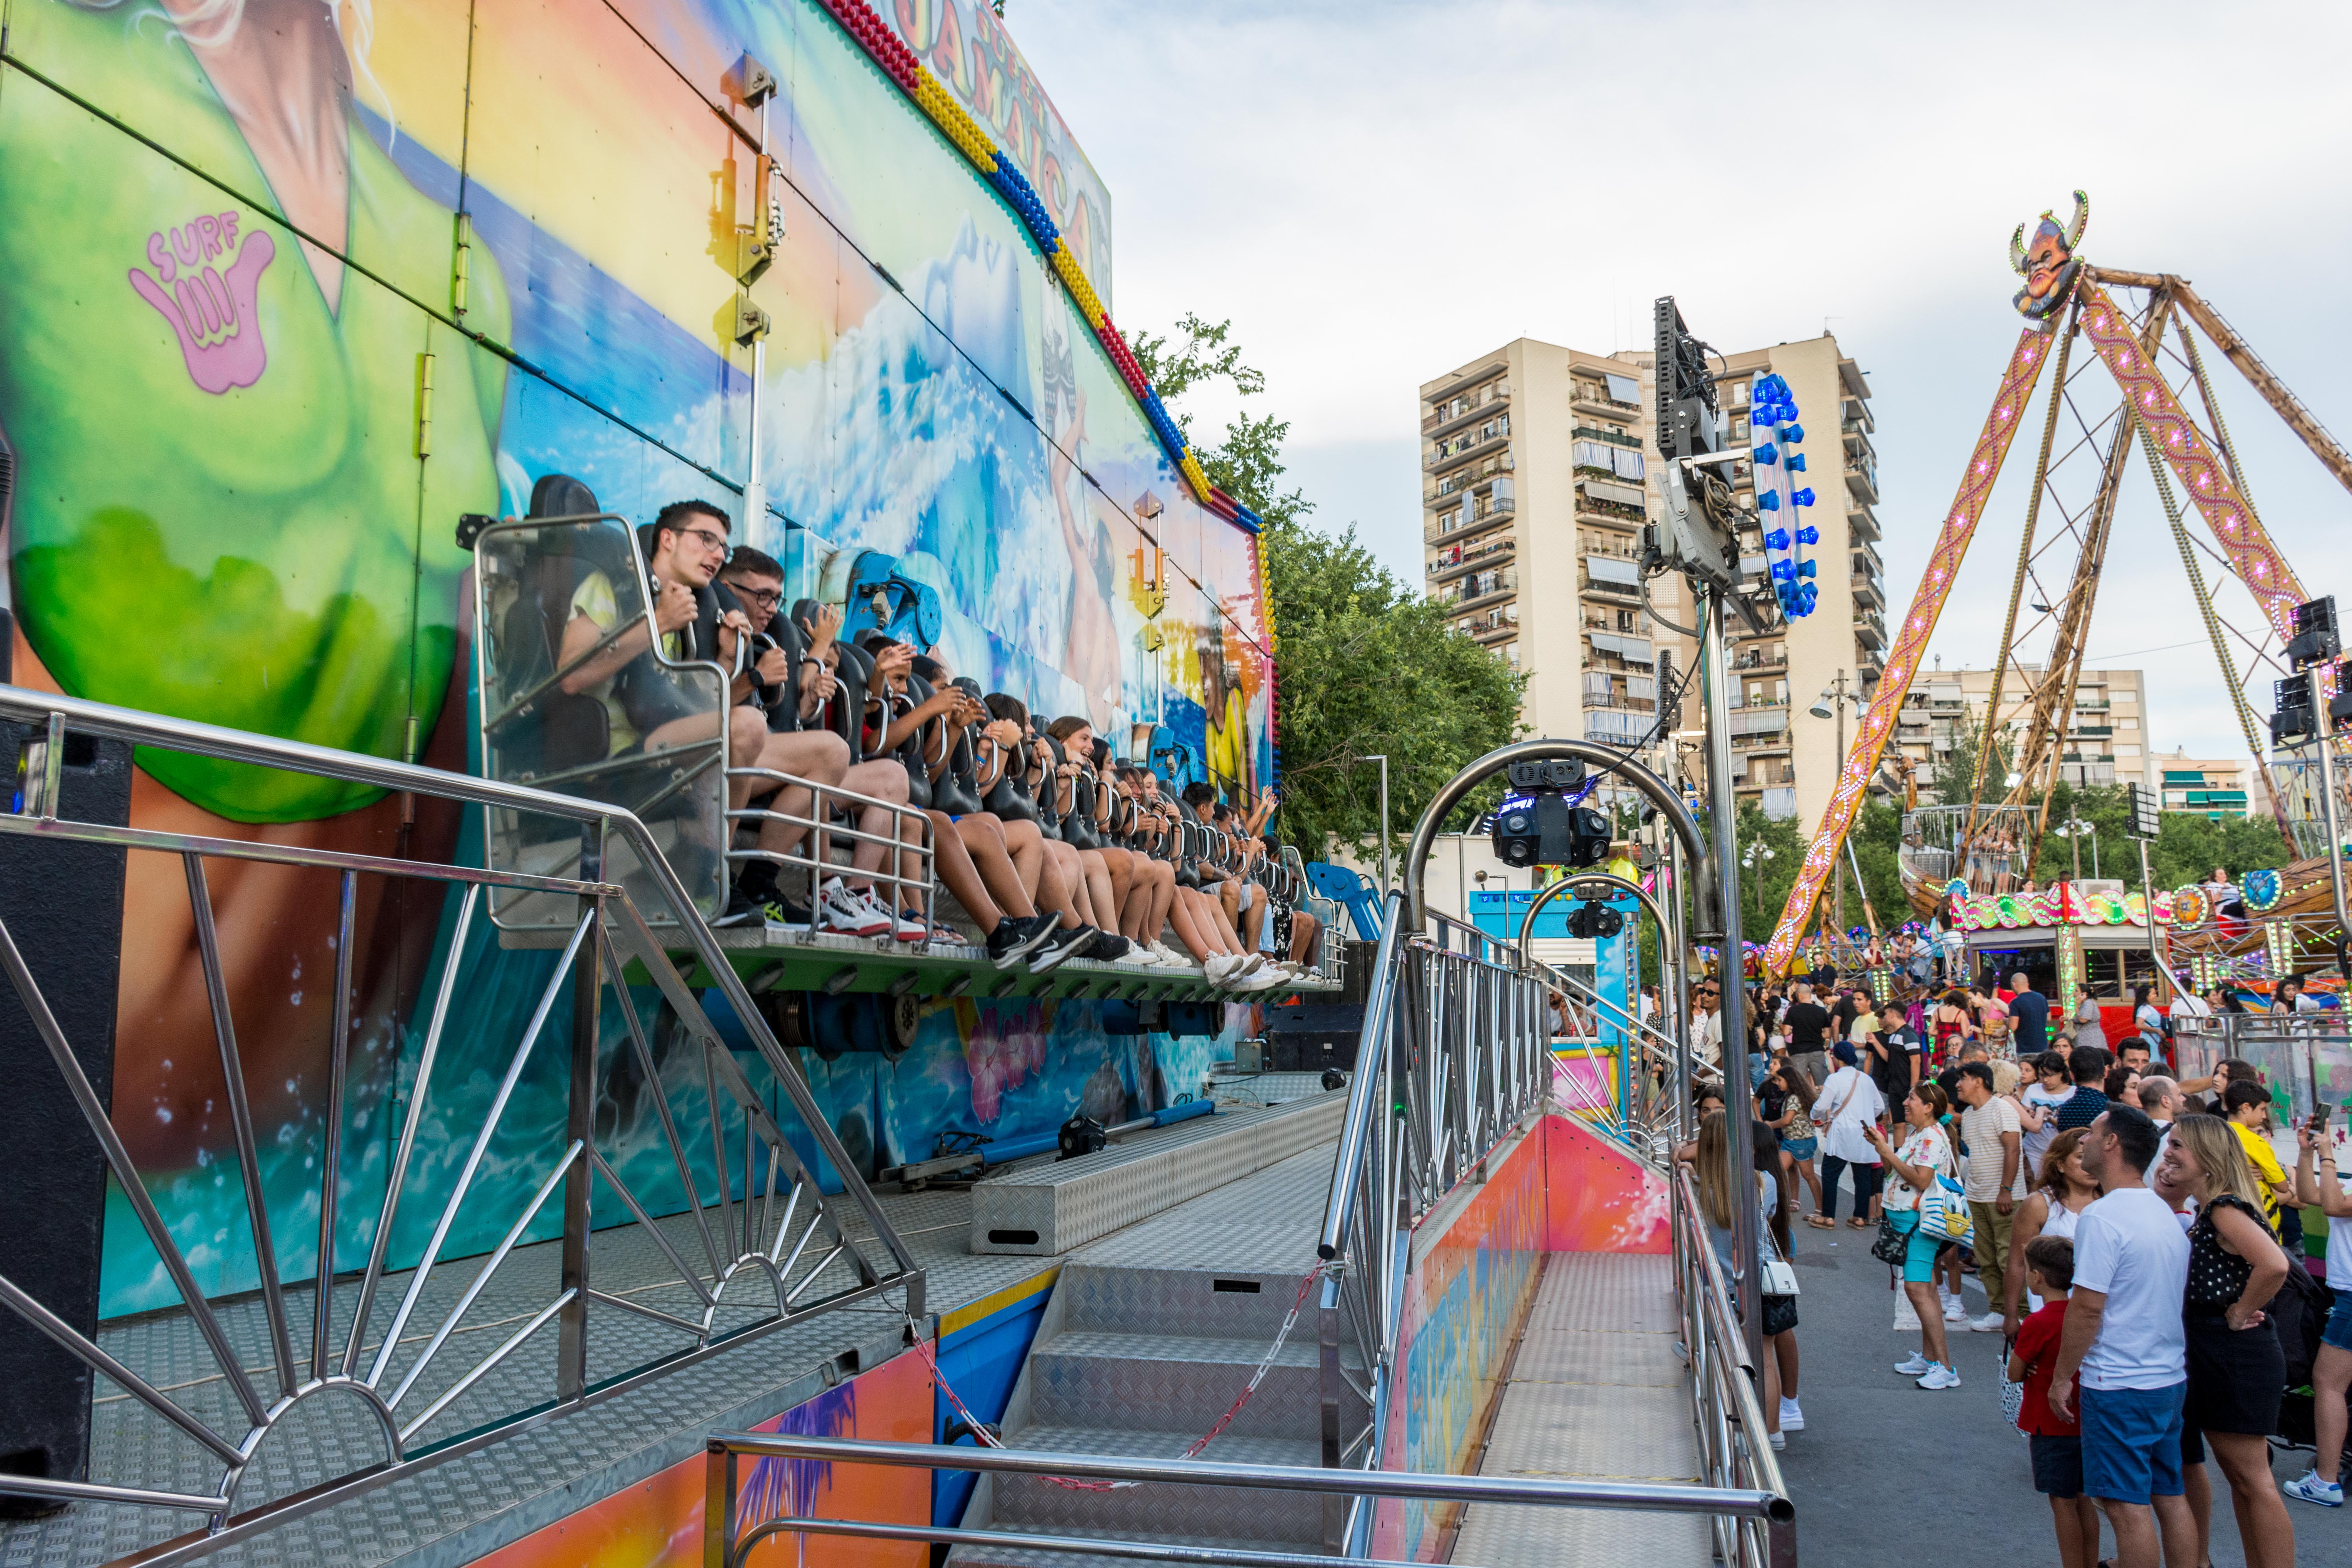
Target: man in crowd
1808,1022
2122,1334
2134,1053
2161,1097
1994,1181
2089,1065
2029,1021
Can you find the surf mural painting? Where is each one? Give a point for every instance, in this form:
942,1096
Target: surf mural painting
338,273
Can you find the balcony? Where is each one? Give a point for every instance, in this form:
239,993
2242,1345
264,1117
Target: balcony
1462,449
1489,636
1492,553
1857,444
1852,385
1761,718
1758,658
1609,434
1477,594
1617,728
1862,480
2099,729
1863,523
1625,648
1869,592
1455,486
1870,636
1589,399
1474,404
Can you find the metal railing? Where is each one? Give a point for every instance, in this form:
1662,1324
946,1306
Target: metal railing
789,1236
2305,1057
730,1538
1734,1452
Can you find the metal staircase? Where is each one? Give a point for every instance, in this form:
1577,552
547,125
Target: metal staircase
1152,1337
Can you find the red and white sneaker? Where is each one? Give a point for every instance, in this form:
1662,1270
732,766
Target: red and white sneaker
844,911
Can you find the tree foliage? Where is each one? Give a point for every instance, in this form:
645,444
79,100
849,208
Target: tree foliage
1364,665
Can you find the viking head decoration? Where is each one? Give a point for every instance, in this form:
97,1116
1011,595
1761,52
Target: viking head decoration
2047,263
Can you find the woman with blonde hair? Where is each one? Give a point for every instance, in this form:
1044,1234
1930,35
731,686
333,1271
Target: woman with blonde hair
2236,1369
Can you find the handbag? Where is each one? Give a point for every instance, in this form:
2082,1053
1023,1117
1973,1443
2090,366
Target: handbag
2012,1394
1890,1244
1944,1212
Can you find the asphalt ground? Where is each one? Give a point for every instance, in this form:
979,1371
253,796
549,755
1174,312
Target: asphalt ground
1884,1471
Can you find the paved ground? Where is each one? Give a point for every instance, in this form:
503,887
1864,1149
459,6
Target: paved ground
1883,1469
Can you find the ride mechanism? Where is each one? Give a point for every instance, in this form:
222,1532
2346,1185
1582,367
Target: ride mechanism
2143,344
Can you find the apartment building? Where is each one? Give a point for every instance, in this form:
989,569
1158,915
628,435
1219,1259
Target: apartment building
2105,743
2211,787
1539,476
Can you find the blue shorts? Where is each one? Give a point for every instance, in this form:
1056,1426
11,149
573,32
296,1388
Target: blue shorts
1919,1258
2339,1332
2131,1442
1801,1147
2057,1465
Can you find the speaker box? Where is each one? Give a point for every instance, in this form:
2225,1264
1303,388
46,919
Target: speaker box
62,903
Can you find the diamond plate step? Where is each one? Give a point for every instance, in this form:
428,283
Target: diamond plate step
1093,1378
1160,1511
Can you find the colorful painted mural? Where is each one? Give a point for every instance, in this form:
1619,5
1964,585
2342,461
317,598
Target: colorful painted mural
339,273
1602,1200
657,1523
1464,1302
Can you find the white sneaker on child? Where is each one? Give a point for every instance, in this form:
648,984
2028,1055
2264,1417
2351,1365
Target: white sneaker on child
1793,1416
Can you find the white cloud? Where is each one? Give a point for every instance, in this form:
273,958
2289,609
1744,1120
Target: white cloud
1374,191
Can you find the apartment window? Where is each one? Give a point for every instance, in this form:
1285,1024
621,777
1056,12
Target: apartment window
1623,389
1739,426
1736,393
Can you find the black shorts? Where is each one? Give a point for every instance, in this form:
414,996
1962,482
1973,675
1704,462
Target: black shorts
2057,1465
2236,1376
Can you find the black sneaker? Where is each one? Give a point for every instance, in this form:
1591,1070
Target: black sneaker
782,911
740,912
1014,939
1060,945
1109,947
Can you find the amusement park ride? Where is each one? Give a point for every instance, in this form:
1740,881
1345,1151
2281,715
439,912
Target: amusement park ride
1968,859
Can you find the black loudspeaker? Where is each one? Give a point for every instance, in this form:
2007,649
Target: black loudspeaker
62,903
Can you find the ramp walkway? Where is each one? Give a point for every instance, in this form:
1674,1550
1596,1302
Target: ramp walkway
1598,1389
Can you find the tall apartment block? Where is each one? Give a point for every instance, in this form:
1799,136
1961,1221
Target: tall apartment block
1537,480
2107,740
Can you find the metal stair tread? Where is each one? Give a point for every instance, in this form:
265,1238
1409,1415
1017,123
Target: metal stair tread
1107,1344
1144,1442
967,1556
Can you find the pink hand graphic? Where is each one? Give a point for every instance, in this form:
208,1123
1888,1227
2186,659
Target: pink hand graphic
220,335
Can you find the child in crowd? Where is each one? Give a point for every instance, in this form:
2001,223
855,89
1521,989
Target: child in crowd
2057,1445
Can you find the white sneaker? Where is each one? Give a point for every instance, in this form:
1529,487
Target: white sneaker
1264,978
1170,956
1956,1310
2309,1487
1221,967
1792,1418
1991,1323
1918,1366
845,913
1139,954
1778,1441
1939,1376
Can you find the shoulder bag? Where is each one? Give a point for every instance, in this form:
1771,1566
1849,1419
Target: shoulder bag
1822,1124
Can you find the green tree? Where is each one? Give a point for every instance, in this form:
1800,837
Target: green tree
1364,663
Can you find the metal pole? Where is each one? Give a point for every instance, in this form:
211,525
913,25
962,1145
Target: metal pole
2327,813
2155,950
1837,878
1385,883
1723,808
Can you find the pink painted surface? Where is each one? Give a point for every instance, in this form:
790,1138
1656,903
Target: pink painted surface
1585,1082
1597,1198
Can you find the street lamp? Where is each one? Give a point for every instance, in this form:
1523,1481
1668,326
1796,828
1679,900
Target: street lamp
2073,829
1384,820
1831,703
1753,859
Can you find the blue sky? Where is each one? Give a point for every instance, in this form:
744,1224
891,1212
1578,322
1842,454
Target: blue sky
1375,192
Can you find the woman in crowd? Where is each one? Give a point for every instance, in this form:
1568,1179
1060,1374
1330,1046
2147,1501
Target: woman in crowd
2089,1032
1926,1154
2062,1191
1853,1106
2236,1368
2317,1185
2037,1107
1789,1090
1954,1026
1711,1167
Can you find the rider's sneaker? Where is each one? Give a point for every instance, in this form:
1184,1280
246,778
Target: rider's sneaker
1015,937
780,913
1061,943
843,912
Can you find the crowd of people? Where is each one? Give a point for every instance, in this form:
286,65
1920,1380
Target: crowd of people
861,767
2141,1246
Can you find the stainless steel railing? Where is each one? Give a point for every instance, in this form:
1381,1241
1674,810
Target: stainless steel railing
2305,1057
730,1539
424,1410
1733,1450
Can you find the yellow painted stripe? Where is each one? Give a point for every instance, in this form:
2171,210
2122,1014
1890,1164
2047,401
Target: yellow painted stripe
988,1305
